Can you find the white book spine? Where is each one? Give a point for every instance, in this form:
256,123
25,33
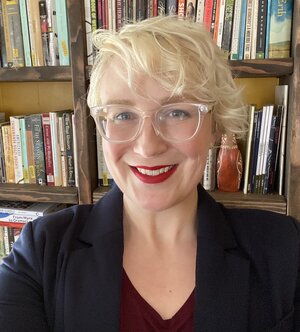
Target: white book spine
254,29
236,30
55,149
209,175
200,11
75,150
248,33
221,22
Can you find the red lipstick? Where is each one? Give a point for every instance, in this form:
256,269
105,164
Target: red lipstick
152,175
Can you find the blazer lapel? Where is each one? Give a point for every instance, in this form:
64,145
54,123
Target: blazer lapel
94,270
222,274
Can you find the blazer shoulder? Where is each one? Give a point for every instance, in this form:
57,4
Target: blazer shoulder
263,228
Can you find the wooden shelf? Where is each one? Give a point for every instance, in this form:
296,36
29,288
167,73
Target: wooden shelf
36,193
36,74
262,68
273,203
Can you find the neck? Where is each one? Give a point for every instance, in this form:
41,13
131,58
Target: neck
162,228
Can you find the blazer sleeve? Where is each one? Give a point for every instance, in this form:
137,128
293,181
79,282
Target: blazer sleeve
21,291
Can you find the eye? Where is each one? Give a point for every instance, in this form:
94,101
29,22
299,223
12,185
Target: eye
175,114
123,116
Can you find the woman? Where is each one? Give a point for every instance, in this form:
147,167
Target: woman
157,253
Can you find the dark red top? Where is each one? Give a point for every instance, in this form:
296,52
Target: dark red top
138,315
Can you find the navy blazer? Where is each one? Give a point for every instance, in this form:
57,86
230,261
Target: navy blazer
65,271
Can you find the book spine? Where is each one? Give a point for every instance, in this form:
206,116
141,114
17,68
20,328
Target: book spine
17,149
190,11
119,14
30,151
62,32
221,23
63,154
280,29
213,17
234,54
44,32
38,149
200,11
181,9
4,61
52,33
8,153
8,45
227,27
209,175
171,7
254,29
242,29
267,37
2,161
25,33
88,31
48,149
24,150
35,33
261,29
208,14
248,31
2,249
55,149
248,148
104,177
75,150
69,148
6,241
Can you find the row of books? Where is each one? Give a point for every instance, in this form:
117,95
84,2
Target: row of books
14,215
244,29
39,149
34,33
265,149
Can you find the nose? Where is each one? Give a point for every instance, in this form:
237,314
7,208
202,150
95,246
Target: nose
149,143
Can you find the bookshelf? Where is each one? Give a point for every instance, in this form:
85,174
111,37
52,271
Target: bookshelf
286,70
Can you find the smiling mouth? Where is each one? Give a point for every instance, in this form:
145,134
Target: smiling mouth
154,174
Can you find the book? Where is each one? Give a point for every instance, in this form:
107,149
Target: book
57,170
48,149
75,150
38,148
62,150
104,177
13,33
67,120
30,150
62,32
219,27
8,153
279,41
88,31
190,10
208,14
4,62
209,175
273,148
24,149
2,161
214,16
252,109
248,30
261,29
181,9
35,33
25,33
52,33
242,29
281,98
200,11
254,29
17,148
171,7
45,32
235,39
227,26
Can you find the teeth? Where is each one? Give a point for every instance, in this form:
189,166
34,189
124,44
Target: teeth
154,172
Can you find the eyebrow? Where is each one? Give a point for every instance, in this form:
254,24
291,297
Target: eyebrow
167,100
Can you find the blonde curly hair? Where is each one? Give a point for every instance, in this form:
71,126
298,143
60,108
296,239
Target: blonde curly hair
181,56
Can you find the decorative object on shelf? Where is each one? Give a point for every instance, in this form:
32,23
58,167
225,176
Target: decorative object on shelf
229,164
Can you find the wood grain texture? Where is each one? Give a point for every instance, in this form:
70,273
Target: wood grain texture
292,178
36,74
36,193
85,129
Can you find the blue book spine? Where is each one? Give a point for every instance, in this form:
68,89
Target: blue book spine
242,29
268,28
62,32
25,33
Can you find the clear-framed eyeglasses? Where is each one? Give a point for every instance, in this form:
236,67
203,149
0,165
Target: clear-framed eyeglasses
176,122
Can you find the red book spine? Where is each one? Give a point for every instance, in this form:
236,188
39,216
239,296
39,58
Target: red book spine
208,13
48,149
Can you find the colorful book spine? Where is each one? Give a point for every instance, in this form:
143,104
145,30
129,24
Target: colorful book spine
248,31
208,14
2,161
3,47
242,29
181,9
8,153
24,149
35,33
235,40
268,20
67,119
30,150
17,148
190,10
213,17
63,154
280,29
48,149
25,33
227,27
220,23
52,33
171,7
38,148
55,149
261,29
45,32
62,32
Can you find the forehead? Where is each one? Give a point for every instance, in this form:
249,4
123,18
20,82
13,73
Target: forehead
115,84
